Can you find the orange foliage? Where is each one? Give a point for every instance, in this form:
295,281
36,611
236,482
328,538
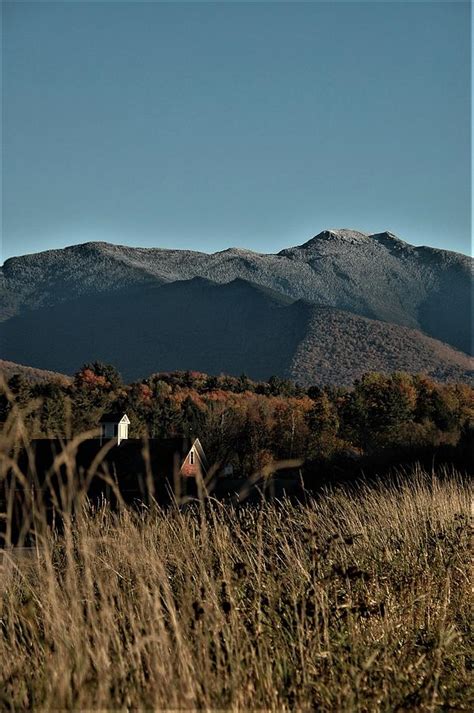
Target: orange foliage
146,394
89,378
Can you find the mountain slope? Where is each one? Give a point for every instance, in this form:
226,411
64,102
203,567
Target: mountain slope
343,346
376,276
232,328
37,376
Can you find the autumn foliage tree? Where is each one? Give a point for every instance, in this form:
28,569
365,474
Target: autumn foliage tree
251,423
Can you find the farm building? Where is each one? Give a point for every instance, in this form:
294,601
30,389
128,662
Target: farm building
113,466
115,425
133,463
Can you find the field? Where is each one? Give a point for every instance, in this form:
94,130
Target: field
355,601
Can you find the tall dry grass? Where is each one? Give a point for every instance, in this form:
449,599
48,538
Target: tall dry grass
356,601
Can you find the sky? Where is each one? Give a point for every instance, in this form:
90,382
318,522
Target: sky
253,124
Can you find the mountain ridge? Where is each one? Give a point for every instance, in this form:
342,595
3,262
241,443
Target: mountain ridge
341,233
375,276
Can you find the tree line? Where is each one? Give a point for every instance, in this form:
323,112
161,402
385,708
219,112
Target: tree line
252,423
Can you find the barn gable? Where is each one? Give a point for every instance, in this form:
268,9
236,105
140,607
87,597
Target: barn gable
195,462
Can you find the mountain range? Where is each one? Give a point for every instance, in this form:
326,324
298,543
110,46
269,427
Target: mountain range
324,312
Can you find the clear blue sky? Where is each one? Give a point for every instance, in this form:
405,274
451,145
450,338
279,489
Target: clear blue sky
207,125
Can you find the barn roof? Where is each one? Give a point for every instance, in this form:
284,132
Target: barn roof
125,462
113,417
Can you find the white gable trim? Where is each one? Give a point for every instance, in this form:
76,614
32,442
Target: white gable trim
197,446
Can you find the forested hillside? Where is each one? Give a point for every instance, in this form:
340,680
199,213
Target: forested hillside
222,328
10,368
